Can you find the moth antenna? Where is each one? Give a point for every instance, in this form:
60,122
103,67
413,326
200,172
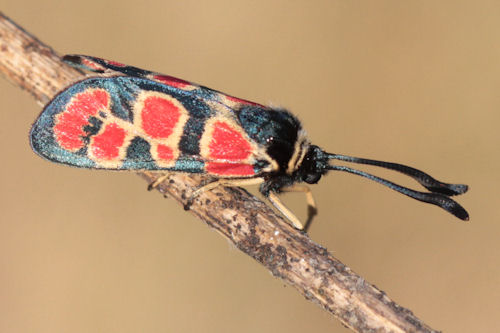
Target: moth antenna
437,199
423,178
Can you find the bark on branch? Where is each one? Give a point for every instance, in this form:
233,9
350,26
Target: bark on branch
241,218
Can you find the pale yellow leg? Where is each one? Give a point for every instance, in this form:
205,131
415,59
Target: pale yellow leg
306,190
157,182
274,199
311,203
222,182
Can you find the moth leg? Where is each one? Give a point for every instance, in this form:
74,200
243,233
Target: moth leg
221,182
312,209
158,181
275,200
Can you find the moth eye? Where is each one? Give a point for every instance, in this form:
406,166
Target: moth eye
312,178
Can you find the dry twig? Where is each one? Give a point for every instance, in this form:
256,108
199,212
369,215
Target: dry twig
241,218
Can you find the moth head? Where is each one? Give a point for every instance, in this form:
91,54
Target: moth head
314,165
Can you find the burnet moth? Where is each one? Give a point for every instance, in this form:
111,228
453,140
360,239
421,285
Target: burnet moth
132,119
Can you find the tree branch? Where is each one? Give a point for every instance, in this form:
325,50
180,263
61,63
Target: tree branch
241,218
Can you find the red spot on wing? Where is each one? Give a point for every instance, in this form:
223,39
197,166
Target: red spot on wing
115,63
159,117
172,81
228,143
165,153
69,124
243,101
107,145
92,65
230,169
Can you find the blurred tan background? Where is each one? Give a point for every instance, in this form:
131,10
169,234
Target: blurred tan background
415,82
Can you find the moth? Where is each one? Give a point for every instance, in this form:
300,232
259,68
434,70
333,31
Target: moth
126,118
